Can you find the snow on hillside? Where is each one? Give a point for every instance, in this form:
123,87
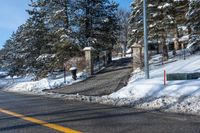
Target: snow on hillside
177,96
27,85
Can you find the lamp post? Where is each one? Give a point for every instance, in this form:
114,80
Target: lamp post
146,63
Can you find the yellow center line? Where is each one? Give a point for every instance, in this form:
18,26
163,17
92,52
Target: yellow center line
40,122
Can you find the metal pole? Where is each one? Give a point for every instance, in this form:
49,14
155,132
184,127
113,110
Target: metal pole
146,64
184,52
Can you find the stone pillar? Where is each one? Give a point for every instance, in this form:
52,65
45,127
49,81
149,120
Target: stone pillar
133,51
137,56
176,44
89,60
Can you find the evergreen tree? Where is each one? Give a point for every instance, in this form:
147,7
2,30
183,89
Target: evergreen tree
10,54
57,19
136,23
95,23
161,21
56,30
37,32
193,17
111,26
181,8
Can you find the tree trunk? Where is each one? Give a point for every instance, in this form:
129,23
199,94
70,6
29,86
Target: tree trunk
165,49
176,42
165,52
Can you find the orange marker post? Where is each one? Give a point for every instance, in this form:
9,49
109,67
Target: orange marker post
165,77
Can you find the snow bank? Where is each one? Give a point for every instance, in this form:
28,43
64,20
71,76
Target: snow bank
25,85
155,88
177,96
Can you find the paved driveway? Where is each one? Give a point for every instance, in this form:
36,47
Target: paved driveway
106,82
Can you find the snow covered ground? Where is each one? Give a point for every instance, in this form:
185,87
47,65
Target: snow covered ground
177,96
28,86
182,96
120,57
116,58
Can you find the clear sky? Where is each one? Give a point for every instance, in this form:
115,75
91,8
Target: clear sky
13,14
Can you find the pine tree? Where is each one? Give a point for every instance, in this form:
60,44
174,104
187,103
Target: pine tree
93,21
15,54
57,19
136,23
37,32
34,47
48,26
10,54
181,20
161,20
56,30
193,17
111,26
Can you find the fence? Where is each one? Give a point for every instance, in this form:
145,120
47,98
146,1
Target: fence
99,60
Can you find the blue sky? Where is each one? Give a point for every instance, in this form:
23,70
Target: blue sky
124,3
13,14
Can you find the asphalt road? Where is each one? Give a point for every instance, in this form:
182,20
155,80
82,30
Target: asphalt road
111,79
87,118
